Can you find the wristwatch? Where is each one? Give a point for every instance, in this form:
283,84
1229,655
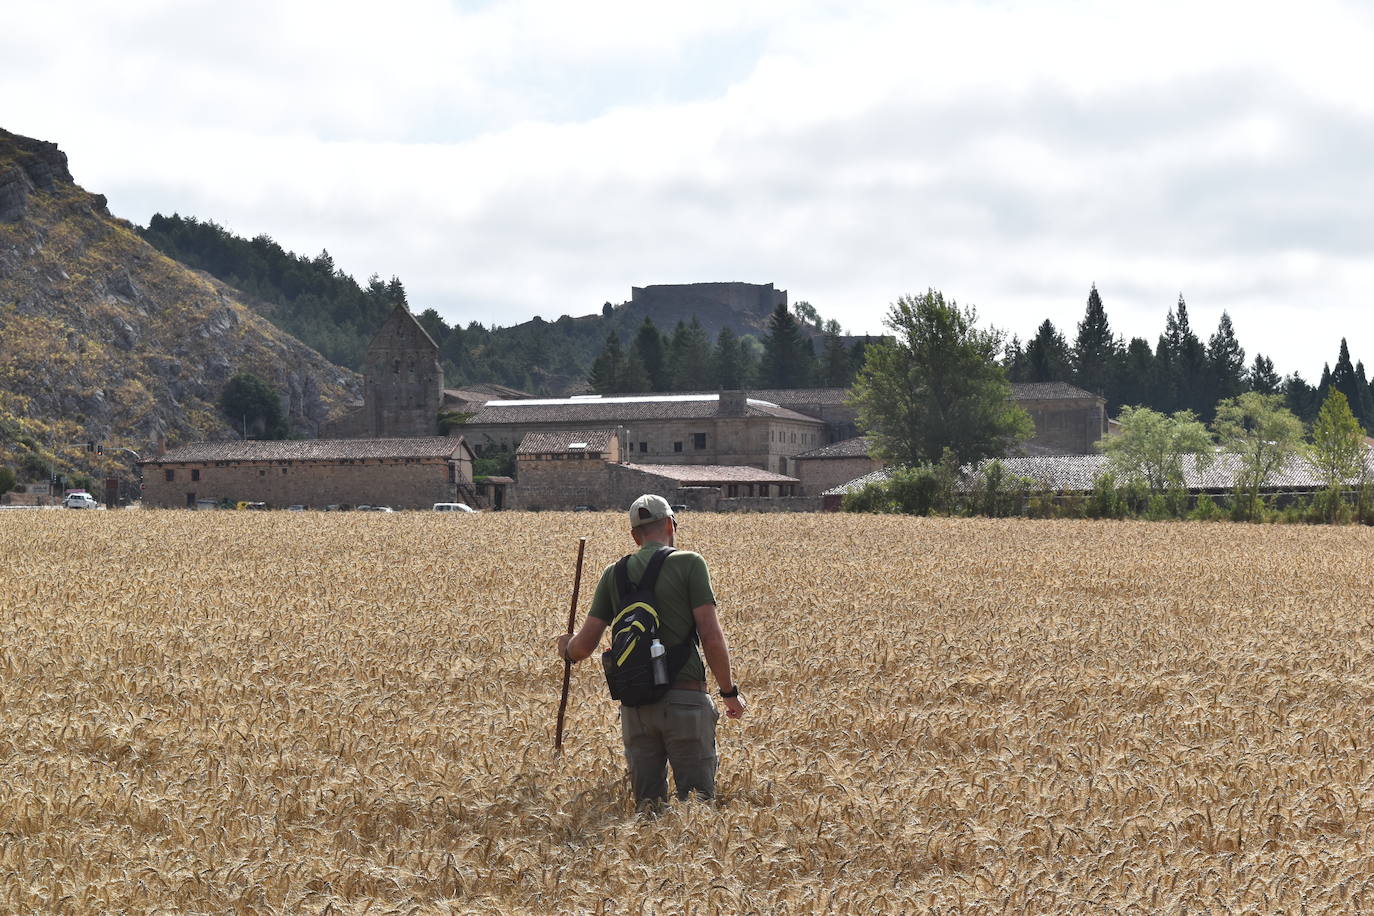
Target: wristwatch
731,693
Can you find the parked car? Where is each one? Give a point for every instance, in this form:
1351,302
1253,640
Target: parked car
295,508
453,507
80,499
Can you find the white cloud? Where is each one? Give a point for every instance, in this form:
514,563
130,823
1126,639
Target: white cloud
538,157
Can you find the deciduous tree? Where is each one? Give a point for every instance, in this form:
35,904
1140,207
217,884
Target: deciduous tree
1263,434
937,386
1338,450
1152,448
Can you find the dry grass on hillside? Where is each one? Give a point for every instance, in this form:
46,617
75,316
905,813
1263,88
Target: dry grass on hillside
281,713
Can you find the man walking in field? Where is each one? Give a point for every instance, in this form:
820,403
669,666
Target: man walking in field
680,728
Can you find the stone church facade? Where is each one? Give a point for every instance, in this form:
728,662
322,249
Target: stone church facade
403,386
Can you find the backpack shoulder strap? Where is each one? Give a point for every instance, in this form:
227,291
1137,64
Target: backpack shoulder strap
650,577
623,585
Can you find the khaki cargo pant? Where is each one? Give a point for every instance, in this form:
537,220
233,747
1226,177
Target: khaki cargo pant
680,730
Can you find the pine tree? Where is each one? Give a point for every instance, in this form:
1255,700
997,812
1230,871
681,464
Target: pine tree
835,370
1366,400
1094,349
1047,355
1344,380
787,358
727,373
1225,366
1190,367
1263,378
690,357
1136,374
648,346
1302,398
608,369
636,377
1014,360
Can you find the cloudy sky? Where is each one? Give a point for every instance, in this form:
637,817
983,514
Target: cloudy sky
508,159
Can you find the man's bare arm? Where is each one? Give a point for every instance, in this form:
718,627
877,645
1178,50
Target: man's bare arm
584,642
717,653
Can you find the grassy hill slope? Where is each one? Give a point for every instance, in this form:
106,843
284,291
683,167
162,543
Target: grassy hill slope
105,339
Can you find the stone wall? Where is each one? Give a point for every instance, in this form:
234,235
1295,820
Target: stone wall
820,474
753,298
560,482
1067,426
405,483
775,504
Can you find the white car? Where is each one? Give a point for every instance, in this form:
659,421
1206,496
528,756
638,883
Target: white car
453,507
80,500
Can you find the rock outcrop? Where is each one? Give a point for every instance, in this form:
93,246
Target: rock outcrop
104,339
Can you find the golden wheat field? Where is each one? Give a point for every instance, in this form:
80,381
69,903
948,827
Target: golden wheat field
308,713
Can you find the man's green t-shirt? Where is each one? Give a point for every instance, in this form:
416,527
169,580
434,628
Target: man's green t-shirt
683,583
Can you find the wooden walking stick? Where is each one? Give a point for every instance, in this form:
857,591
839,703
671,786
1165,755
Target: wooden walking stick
567,665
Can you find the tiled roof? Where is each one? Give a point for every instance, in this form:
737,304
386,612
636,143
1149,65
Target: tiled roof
595,411
849,448
858,483
1077,473
310,450
702,474
566,441
785,397
1070,473
1048,391
485,392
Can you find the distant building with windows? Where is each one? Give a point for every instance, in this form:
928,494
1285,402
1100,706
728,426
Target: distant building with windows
728,428
404,473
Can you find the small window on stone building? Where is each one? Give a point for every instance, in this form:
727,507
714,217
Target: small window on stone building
169,474
677,446
643,446
733,490
195,473
262,472
283,470
396,367
698,440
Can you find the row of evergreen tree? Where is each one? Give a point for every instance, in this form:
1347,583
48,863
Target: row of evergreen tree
328,310
308,298
1180,372
686,360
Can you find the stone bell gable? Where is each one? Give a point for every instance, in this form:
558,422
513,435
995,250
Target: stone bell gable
404,381
403,384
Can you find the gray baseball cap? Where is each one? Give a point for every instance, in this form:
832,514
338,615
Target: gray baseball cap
649,508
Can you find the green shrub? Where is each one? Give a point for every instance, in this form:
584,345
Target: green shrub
997,494
1206,510
872,497
918,490
6,480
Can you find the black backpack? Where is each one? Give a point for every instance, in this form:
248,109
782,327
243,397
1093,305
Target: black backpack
628,663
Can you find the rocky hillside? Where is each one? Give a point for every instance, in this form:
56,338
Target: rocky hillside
104,339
